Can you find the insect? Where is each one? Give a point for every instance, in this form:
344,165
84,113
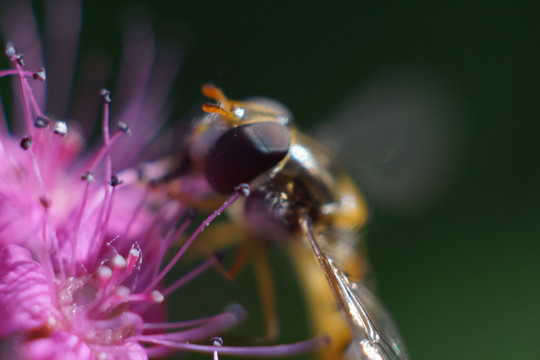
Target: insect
299,197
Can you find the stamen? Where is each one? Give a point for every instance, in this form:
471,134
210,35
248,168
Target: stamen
104,216
101,153
109,194
172,235
191,275
179,324
89,178
243,189
223,322
133,263
4,73
298,348
105,96
26,104
153,297
107,294
29,101
216,341
121,296
46,203
188,243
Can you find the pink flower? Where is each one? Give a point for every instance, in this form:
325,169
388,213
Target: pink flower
81,249
82,237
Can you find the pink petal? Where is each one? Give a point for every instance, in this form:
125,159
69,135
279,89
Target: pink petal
62,345
25,300
59,346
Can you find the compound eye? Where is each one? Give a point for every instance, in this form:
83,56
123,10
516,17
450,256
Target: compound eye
245,152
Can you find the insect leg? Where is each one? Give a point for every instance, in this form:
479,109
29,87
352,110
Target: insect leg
265,282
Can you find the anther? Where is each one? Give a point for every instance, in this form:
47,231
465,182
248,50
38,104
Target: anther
119,262
157,297
122,292
243,189
115,181
41,122
40,75
46,202
19,58
27,142
104,272
105,96
60,128
88,176
10,49
124,127
216,341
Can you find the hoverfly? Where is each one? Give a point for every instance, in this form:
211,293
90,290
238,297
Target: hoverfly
299,197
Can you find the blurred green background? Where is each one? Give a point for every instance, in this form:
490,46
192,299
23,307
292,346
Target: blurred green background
459,272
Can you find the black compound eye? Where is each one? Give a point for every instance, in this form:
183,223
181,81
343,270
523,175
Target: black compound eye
245,152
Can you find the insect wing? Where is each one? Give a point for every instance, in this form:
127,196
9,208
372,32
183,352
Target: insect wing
381,319
375,336
396,137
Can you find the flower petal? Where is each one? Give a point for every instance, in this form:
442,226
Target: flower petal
59,346
25,300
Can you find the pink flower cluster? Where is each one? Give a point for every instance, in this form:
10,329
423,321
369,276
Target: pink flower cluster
83,239
80,247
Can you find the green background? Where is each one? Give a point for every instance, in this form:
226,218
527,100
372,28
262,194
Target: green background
461,273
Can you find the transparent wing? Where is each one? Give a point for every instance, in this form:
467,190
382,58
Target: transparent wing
375,336
396,135
381,321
